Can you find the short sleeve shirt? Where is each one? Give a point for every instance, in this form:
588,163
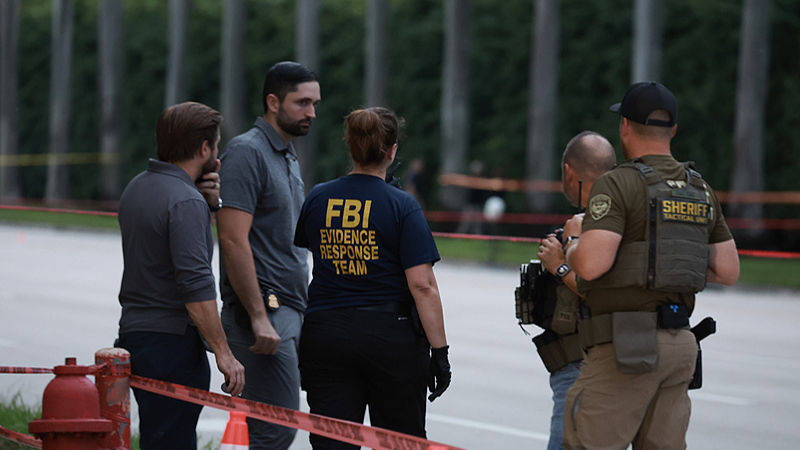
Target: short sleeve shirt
363,234
260,175
618,203
167,247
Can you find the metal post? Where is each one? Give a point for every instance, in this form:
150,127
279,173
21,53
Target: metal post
113,385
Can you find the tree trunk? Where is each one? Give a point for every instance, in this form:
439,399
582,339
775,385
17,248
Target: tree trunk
57,187
176,89
233,80
307,53
455,97
541,146
751,95
375,62
111,78
647,41
9,99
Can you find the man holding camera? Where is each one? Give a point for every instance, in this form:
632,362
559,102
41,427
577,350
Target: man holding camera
653,237
586,157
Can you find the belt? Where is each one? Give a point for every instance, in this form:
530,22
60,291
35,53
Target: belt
599,330
387,307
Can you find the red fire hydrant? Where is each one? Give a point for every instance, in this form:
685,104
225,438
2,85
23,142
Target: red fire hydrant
70,412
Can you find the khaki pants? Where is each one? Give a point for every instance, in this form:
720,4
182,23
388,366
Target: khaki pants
609,410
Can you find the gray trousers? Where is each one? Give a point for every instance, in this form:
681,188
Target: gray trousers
271,379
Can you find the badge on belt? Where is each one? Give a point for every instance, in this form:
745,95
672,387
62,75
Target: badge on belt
271,300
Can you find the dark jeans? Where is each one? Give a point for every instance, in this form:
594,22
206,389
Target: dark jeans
351,359
167,423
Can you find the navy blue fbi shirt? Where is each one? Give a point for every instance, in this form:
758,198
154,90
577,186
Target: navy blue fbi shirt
363,234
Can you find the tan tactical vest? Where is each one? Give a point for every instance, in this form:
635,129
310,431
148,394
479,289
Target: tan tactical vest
674,255
565,315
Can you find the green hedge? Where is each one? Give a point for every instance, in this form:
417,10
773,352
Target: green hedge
700,63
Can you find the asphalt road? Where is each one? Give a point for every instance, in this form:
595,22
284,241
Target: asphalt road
58,298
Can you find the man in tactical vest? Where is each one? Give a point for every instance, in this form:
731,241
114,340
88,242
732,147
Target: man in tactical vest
652,237
586,156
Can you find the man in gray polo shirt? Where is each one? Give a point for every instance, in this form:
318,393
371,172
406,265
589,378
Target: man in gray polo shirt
167,294
263,276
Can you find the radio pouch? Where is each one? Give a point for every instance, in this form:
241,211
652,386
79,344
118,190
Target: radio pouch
672,316
635,340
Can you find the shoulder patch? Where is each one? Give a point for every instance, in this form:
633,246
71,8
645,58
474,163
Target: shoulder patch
599,206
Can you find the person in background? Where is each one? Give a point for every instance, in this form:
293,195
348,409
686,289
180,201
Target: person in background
374,331
263,277
475,201
412,180
167,293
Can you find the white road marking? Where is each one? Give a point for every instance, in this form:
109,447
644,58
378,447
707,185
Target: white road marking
488,427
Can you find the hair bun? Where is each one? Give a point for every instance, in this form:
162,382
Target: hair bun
370,133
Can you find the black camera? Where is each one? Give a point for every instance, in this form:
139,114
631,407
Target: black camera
559,232
525,297
536,295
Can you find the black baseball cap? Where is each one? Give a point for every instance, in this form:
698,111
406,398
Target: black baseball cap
643,98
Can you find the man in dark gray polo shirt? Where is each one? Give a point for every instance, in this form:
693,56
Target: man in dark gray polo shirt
168,295
263,276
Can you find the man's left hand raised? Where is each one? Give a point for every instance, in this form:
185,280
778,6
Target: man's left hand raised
550,253
208,185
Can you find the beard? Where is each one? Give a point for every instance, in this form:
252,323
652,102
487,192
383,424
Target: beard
293,128
210,165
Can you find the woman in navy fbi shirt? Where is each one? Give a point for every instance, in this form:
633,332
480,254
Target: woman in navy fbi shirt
373,334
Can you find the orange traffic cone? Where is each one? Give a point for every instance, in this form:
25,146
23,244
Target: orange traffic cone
235,437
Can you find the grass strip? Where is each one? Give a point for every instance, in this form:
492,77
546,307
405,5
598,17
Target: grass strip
754,271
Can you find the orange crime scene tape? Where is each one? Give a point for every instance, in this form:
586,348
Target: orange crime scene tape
342,430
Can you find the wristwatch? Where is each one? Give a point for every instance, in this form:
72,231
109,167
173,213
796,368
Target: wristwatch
567,242
563,270
216,208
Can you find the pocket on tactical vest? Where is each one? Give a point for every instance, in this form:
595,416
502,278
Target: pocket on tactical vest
565,314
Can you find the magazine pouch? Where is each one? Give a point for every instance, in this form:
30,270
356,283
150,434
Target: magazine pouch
635,338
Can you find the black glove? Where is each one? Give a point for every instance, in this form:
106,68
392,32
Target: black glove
439,373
